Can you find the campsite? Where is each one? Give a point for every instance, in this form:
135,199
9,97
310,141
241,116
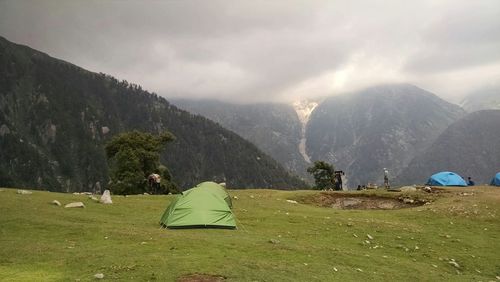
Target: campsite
450,234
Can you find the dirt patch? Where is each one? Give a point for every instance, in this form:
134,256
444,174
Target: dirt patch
199,277
362,202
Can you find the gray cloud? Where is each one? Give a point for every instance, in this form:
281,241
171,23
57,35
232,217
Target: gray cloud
251,51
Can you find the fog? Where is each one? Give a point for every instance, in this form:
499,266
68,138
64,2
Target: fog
268,51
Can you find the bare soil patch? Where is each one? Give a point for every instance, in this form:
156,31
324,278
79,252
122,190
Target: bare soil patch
200,277
362,202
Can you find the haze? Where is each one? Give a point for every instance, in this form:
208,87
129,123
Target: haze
268,51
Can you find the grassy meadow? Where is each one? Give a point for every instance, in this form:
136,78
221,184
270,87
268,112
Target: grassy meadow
456,237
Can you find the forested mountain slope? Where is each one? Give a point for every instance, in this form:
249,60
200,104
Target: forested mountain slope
56,117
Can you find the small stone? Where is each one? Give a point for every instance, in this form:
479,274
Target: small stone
447,236
252,196
497,277
56,202
435,266
274,241
305,264
417,248
75,205
24,192
367,242
355,236
369,236
454,263
335,269
235,197
359,269
292,201
99,276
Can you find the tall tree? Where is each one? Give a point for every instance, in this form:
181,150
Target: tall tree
132,157
323,173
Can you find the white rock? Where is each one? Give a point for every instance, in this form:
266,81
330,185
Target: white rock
408,201
75,205
106,197
99,276
56,202
407,189
235,197
292,201
454,263
369,236
24,192
94,198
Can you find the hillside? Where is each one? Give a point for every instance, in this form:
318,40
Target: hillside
379,127
469,147
56,117
274,128
454,238
487,98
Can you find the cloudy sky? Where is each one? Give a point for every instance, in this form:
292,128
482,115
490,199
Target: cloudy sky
250,51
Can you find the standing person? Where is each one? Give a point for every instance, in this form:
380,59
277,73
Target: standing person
386,179
157,183
339,180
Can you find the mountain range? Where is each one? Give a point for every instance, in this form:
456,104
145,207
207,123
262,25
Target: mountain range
387,126
55,119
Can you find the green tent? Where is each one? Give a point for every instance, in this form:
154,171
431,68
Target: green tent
206,205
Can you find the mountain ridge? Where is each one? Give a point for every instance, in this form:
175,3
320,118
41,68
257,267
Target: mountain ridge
55,118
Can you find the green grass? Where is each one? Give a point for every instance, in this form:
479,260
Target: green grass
43,242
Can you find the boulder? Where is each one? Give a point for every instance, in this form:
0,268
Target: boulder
24,192
106,197
99,276
75,205
56,202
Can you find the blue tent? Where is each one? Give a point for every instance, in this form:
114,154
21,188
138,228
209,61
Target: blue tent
496,180
446,178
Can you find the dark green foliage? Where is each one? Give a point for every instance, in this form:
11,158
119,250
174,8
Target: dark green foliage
323,174
55,119
133,156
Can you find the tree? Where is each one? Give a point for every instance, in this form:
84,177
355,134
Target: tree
132,157
323,173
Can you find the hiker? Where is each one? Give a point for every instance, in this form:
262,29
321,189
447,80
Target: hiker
338,180
154,181
386,178
470,182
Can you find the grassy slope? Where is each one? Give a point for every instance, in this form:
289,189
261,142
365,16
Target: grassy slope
39,241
